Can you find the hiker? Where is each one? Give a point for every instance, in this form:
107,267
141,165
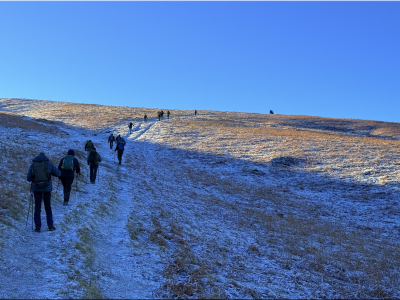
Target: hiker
120,147
162,114
88,147
145,118
159,115
168,113
39,174
130,127
111,140
195,112
67,166
271,112
93,161
118,138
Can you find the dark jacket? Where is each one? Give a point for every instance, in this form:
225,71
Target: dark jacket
111,138
86,146
121,141
69,173
96,160
54,171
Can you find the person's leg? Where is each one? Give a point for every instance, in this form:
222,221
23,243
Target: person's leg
63,181
91,173
68,184
38,208
47,207
120,156
95,172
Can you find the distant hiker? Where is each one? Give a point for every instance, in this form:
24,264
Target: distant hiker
271,112
195,112
39,174
159,115
67,166
168,113
162,114
93,161
89,146
145,118
130,127
111,140
120,147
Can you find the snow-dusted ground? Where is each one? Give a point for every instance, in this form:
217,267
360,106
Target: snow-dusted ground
200,209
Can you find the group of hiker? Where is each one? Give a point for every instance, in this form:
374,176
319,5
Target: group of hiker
41,170
39,174
160,114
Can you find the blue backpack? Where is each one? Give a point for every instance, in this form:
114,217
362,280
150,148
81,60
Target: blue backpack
121,144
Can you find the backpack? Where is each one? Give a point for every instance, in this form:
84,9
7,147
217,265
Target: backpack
68,163
92,157
89,144
120,145
41,174
111,138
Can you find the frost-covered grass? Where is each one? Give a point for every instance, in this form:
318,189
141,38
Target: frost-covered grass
222,205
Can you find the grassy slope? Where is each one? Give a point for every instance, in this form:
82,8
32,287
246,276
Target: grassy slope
353,161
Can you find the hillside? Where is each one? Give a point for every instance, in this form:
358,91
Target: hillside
221,205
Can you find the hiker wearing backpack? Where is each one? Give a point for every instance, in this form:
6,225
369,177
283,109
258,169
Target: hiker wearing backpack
130,127
168,113
89,146
118,138
93,161
111,140
67,166
145,117
195,112
159,115
39,174
120,147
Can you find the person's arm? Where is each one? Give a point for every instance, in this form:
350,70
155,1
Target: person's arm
60,164
29,175
85,146
77,166
54,171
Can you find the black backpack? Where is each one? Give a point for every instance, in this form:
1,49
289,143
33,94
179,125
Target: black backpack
89,144
41,174
92,157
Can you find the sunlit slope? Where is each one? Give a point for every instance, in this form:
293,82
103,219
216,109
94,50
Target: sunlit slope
360,150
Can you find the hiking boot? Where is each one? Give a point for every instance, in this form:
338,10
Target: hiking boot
51,228
37,229
65,203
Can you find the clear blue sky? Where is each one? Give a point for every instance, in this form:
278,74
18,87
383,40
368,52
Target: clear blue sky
333,59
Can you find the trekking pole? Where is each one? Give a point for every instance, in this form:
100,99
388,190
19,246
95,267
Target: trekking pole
29,208
32,207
